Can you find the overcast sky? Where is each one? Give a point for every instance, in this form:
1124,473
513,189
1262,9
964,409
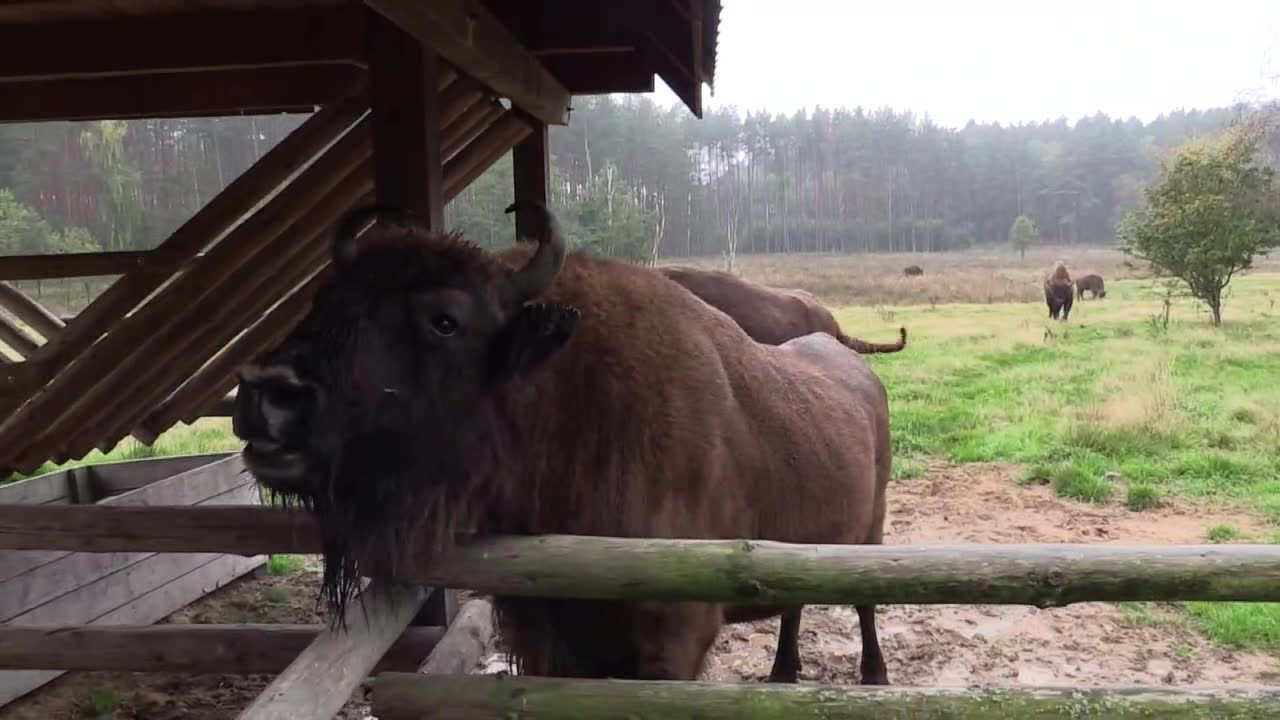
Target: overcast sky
996,60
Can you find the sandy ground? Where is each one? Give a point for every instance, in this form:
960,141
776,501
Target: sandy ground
1093,644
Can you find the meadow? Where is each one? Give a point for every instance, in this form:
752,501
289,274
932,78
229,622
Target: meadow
1121,405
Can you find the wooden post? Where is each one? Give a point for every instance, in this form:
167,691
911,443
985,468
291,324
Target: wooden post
320,681
531,165
405,100
464,643
402,696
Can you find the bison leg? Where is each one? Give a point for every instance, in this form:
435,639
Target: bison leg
786,661
874,671
1066,307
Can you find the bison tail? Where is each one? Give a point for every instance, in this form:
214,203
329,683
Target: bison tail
867,348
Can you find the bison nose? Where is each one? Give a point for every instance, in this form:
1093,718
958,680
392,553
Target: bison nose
273,405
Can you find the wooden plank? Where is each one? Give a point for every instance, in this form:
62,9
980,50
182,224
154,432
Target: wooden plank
149,607
406,121
185,648
235,91
531,169
86,264
320,681
116,477
473,122
602,73
411,696
464,643
478,44
38,490
478,156
226,208
737,571
188,41
29,311
70,572
92,379
17,340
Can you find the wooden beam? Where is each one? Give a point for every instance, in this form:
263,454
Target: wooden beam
30,312
737,571
16,339
225,209
37,429
474,121
88,264
320,681
478,44
411,696
600,73
531,169
184,648
30,11
217,39
464,643
236,91
406,111
481,153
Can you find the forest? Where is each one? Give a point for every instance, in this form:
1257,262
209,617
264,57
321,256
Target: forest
635,180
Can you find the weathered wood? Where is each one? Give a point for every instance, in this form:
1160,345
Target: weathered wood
478,117
600,73
320,681
464,643
739,571
407,117
487,148
185,648
96,375
234,91
38,490
226,208
112,478
410,696
478,44
531,169
17,340
30,312
87,264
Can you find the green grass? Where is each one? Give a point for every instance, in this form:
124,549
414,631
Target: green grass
1142,496
103,702
1223,533
1247,626
284,564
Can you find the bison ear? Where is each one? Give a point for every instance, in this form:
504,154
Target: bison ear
531,337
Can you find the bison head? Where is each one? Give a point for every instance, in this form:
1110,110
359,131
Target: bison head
379,410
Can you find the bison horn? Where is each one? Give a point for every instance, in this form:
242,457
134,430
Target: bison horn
537,275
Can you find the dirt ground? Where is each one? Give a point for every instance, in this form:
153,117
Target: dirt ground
1093,644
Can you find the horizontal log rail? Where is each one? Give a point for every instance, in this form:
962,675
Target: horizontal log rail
88,264
738,571
184,648
401,696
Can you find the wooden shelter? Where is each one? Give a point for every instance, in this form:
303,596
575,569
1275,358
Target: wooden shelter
407,107
409,101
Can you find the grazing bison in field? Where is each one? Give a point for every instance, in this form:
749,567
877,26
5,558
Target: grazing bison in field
1058,292
771,315
1092,283
435,389
913,271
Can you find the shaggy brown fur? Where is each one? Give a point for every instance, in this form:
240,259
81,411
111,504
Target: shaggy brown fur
1058,292
913,270
642,413
1092,283
771,315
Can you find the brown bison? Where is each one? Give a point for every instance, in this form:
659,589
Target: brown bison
1092,283
771,315
1058,292
435,389
913,271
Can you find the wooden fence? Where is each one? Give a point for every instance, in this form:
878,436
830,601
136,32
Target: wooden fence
334,662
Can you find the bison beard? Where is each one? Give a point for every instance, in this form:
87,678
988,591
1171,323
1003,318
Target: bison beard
426,395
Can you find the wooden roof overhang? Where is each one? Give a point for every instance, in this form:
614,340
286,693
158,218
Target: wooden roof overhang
405,96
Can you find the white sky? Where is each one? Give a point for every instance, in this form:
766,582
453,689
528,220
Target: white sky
995,60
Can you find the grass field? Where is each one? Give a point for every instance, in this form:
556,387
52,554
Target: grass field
1112,407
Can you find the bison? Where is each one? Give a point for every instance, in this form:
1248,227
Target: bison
913,271
1092,283
771,315
435,390
1058,292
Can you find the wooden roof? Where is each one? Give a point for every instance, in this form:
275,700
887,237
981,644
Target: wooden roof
90,59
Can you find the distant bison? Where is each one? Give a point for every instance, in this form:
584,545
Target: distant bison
1058,292
771,315
1093,283
913,270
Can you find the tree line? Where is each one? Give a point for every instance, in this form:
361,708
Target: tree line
635,180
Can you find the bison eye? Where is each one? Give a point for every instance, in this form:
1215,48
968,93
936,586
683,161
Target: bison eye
444,325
